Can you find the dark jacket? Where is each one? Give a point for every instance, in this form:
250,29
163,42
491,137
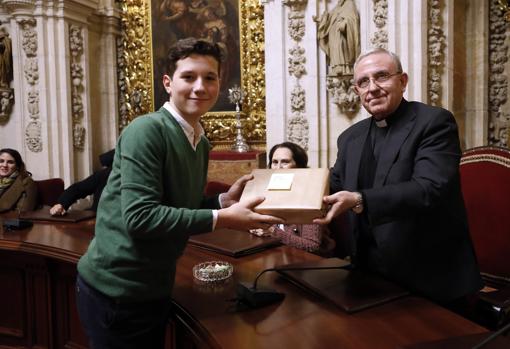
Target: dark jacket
94,184
21,195
415,208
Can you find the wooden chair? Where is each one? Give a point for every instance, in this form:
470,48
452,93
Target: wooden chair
485,181
49,190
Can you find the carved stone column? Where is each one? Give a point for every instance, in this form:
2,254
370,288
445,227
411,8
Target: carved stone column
54,56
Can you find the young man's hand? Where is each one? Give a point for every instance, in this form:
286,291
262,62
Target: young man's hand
242,217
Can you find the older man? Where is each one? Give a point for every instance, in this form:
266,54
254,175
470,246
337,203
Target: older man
398,175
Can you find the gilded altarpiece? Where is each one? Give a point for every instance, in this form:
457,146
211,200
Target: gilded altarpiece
136,72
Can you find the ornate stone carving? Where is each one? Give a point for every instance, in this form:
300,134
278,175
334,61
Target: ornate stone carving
124,106
342,93
341,47
297,125
31,70
338,33
499,120
76,51
29,37
296,25
33,139
5,58
298,130
6,75
297,99
33,104
436,45
295,4
297,60
6,102
135,52
33,136
380,38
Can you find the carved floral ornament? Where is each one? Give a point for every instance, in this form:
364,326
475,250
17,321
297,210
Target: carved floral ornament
135,72
297,125
499,118
77,88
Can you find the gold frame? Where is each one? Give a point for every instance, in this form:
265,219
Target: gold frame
136,73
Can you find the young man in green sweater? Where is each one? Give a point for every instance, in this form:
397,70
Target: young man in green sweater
152,203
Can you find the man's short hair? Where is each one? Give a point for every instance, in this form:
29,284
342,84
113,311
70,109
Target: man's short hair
395,58
188,46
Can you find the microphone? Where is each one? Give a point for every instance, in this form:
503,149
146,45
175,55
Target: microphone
492,337
255,297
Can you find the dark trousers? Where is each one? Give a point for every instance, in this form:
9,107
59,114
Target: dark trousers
111,325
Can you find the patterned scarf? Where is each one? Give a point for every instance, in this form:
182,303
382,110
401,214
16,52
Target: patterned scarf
6,182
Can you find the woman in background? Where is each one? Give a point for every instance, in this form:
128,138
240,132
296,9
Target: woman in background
310,237
17,189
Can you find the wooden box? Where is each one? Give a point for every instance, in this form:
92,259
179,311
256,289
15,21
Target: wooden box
295,195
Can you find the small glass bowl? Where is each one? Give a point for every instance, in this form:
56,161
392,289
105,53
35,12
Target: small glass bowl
213,271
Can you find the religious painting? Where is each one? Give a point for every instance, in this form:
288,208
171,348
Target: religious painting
150,27
215,20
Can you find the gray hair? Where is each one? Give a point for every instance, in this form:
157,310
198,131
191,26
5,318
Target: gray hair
394,57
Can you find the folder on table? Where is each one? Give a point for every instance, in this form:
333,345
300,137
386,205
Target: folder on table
351,290
233,243
71,216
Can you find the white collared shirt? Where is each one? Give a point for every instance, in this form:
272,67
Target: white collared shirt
193,134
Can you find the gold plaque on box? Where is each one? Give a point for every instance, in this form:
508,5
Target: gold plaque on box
293,194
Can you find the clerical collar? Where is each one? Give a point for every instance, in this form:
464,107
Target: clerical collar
381,123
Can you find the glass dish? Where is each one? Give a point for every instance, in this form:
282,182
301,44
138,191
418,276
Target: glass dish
213,271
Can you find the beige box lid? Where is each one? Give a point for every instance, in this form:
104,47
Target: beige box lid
299,204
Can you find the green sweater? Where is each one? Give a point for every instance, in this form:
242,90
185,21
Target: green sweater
149,207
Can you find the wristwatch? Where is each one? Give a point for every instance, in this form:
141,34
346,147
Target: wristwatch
358,208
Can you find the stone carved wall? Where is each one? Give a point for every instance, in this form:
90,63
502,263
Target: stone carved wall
33,138
297,125
436,45
380,37
499,119
76,52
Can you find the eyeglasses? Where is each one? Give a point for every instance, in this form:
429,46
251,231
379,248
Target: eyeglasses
379,79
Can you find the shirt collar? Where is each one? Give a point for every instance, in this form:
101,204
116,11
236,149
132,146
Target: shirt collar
193,134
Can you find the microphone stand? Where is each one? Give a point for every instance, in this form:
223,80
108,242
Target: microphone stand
258,297
493,336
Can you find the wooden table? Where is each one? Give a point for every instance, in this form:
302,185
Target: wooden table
38,267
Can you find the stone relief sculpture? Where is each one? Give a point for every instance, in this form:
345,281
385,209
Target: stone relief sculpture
33,133
339,37
5,58
297,124
6,93
338,33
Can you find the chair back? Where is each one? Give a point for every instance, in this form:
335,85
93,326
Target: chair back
214,188
485,181
49,190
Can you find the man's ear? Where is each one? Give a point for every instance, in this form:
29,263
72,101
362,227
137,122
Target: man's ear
404,78
167,83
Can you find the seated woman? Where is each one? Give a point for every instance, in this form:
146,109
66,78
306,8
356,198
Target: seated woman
92,185
310,237
17,189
